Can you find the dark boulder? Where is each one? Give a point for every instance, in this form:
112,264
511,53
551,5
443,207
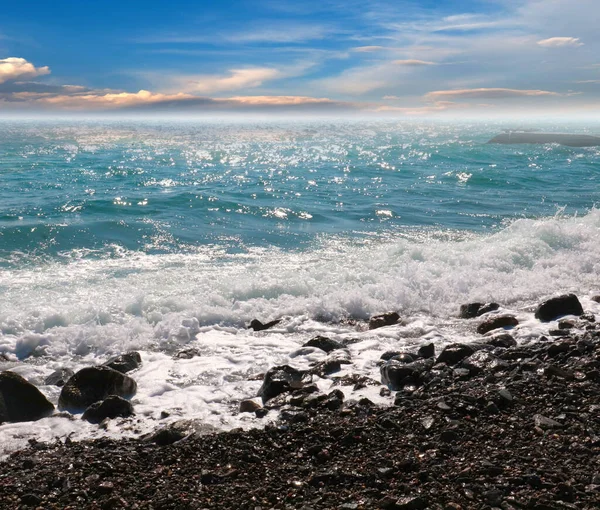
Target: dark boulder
20,400
249,406
59,377
125,362
256,325
501,340
395,374
471,310
92,384
403,357
556,307
454,353
111,407
426,351
387,355
324,343
331,364
385,319
498,321
279,380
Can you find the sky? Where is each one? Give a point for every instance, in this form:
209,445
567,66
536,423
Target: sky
396,57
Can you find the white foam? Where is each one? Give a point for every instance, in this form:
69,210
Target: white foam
80,313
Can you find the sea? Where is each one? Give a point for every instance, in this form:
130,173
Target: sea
161,235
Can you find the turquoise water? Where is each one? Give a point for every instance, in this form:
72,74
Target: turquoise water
95,188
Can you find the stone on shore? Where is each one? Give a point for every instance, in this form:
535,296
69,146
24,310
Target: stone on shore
454,353
59,377
498,321
385,319
279,380
556,307
20,400
111,407
92,384
472,310
257,325
324,343
125,362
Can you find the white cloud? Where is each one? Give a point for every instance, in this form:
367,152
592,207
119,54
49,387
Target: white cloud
14,68
486,93
414,62
560,42
368,49
101,100
236,80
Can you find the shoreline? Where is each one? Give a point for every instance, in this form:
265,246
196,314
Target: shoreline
506,426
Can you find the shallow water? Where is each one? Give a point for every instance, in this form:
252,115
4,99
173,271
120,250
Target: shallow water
162,236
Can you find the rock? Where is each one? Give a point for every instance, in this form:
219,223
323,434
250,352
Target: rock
426,351
498,321
178,430
331,364
454,353
410,503
20,400
249,406
596,298
324,343
111,407
385,319
546,423
501,340
59,377
92,384
395,374
387,355
125,362
403,357
256,325
471,310
555,307
481,361
187,353
279,380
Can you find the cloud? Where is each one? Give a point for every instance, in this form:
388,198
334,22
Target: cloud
367,49
390,98
236,80
414,62
437,107
279,100
99,99
560,42
486,93
13,68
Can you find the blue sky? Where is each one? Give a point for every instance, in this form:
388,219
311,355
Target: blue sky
432,57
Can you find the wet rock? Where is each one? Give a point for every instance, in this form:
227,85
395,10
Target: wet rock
59,377
111,407
403,357
385,319
331,364
324,343
92,384
498,321
395,374
567,304
387,355
426,351
256,325
481,361
187,354
279,380
20,400
125,362
179,430
249,406
471,310
454,353
503,340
